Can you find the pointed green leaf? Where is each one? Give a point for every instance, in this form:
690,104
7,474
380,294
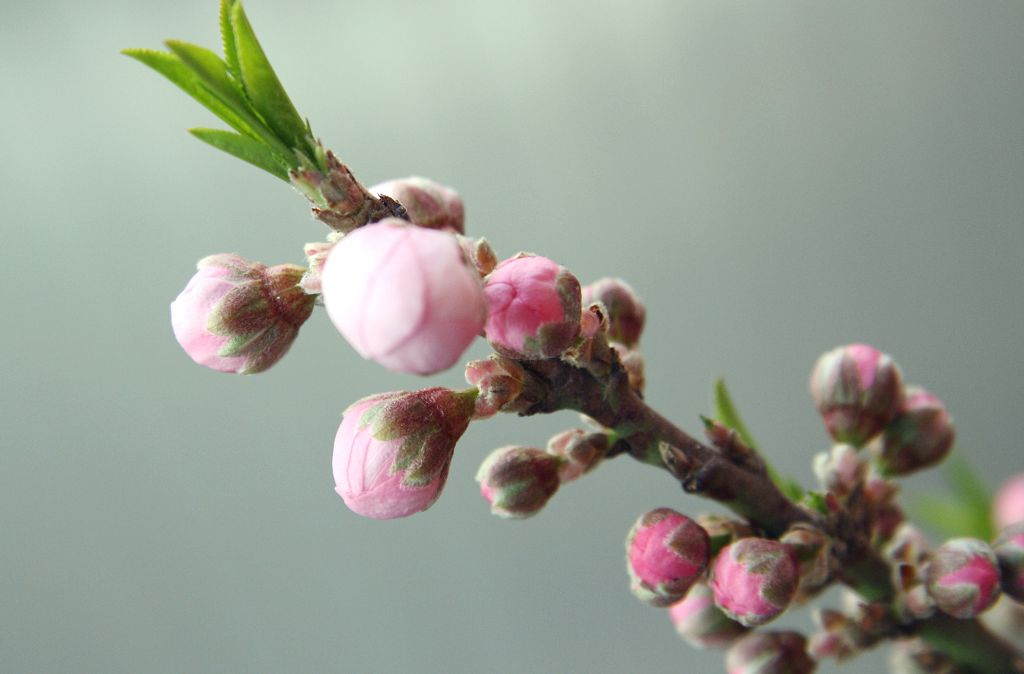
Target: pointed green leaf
227,36
727,413
948,518
973,496
262,86
246,149
213,72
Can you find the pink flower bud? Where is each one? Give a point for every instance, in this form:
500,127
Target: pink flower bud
754,580
626,311
581,451
857,390
498,380
700,622
534,308
1008,504
428,204
518,481
963,577
239,316
666,553
813,551
766,652
316,254
393,450
1009,549
840,470
920,436
403,296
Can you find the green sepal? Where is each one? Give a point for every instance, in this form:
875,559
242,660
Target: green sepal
727,414
263,88
246,149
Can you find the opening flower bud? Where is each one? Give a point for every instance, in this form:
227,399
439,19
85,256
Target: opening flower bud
765,652
534,307
1008,504
518,481
920,436
666,553
239,316
701,623
857,390
428,204
403,296
1009,549
626,311
963,577
754,580
393,450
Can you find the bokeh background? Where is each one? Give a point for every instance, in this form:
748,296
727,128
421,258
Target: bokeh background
774,179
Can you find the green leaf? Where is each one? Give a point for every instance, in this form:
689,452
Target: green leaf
948,518
263,88
971,493
246,149
227,37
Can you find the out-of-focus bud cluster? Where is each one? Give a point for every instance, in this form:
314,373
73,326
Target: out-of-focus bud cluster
769,652
1009,550
698,620
239,316
1008,504
666,553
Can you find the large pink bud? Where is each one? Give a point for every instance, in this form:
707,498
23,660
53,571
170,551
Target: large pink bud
920,436
754,580
239,316
403,296
963,577
427,203
393,450
534,307
666,553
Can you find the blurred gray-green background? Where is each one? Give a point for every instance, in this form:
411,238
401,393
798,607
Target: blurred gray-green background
773,178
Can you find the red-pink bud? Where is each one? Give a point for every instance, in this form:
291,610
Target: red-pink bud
666,553
393,450
1009,549
765,652
428,204
754,580
626,311
857,390
700,622
534,307
239,316
403,296
1008,504
518,481
920,436
963,577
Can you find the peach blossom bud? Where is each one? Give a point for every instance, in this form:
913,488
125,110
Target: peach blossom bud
403,296
920,436
765,652
393,450
840,470
754,580
1008,504
581,450
428,204
239,316
700,622
666,553
857,390
963,577
498,380
1009,549
534,308
626,311
479,253
316,254
518,481
813,550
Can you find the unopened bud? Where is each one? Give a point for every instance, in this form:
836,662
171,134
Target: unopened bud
499,381
534,308
518,481
633,363
913,656
478,253
840,470
427,203
666,553
700,622
626,312
239,316
813,550
723,530
1008,504
754,580
766,652
920,436
1009,549
581,450
316,254
963,577
857,390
